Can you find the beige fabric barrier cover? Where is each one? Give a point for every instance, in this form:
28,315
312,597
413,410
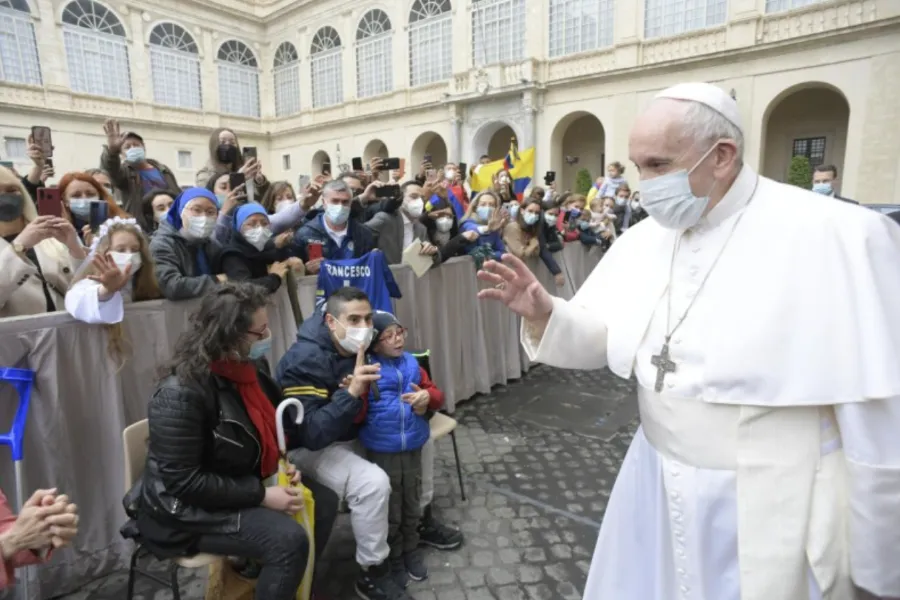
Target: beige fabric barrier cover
80,404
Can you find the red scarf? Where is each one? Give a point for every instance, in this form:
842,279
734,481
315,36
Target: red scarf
244,377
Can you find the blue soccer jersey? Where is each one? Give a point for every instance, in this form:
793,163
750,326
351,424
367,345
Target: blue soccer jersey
370,273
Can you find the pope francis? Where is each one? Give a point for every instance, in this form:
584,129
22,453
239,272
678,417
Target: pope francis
762,323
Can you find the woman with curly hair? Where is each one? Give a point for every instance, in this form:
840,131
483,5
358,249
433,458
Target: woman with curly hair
213,446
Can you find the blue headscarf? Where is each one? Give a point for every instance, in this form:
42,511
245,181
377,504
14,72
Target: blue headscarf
245,212
174,215
174,219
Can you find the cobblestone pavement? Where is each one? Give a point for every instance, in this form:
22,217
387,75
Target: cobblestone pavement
539,458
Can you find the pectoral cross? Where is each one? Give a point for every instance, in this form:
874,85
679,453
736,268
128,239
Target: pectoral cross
664,365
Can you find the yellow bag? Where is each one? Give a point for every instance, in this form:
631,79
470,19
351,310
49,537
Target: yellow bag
307,519
223,583
307,516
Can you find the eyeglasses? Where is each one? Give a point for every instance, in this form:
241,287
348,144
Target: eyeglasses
393,335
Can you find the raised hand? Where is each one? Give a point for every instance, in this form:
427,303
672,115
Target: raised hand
36,232
114,136
363,374
516,287
284,238
418,399
108,274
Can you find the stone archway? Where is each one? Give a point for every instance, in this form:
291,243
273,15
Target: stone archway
578,142
492,139
810,120
427,144
320,158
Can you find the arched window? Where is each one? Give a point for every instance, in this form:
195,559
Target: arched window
96,50
373,54
430,42
325,65
238,80
580,25
498,31
287,80
175,67
18,47
663,18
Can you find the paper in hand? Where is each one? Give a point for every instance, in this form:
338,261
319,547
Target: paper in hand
418,262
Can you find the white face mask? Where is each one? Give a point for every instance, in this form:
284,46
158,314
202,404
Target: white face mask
530,218
635,205
283,205
258,236
550,220
621,201
444,224
450,174
415,207
123,259
669,199
161,216
81,207
356,337
198,228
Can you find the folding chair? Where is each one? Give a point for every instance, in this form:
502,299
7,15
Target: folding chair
441,422
135,439
22,380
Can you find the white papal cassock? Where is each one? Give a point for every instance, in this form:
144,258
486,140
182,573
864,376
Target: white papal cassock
768,468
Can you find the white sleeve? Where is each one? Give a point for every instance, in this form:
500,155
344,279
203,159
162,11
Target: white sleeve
576,335
869,432
83,303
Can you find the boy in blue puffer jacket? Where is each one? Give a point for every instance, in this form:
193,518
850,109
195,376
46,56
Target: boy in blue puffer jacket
393,433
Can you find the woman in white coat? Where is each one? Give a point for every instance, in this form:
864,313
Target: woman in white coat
39,254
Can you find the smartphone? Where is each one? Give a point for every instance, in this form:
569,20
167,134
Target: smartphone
387,191
249,152
41,137
390,164
463,170
427,158
313,251
99,214
357,164
549,177
8,164
326,168
302,182
236,179
49,202
48,162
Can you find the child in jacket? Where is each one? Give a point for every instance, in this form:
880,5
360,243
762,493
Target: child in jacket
393,432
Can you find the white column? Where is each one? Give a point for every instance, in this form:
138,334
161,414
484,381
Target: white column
141,80
400,57
462,36
347,28
266,55
537,20
51,47
209,72
628,19
303,41
455,150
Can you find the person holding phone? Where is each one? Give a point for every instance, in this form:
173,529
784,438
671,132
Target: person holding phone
486,219
395,232
226,156
183,248
522,236
213,448
39,254
131,172
79,192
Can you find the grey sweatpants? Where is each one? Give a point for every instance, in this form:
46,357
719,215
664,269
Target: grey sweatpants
404,470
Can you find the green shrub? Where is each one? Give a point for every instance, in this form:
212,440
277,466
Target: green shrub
800,173
583,181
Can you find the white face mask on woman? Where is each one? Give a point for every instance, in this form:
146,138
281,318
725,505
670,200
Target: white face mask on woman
123,259
198,228
283,205
258,236
444,224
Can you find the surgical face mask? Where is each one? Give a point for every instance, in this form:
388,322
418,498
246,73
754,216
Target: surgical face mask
450,174
356,338
282,205
81,207
123,259
620,201
11,207
226,153
550,220
513,210
220,199
135,155
258,236
583,225
415,208
530,218
444,224
337,213
485,212
260,348
161,216
635,205
670,200
199,228
825,188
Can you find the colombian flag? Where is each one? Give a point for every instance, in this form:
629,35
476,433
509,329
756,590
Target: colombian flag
519,164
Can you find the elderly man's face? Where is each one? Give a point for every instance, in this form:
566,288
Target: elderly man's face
659,145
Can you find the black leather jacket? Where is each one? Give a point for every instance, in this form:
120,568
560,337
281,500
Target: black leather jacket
202,462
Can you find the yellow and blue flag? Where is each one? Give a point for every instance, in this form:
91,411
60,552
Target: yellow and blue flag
519,164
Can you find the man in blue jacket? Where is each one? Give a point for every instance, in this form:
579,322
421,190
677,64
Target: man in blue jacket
327,351
339,236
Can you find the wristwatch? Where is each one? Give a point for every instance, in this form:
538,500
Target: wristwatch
19,249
